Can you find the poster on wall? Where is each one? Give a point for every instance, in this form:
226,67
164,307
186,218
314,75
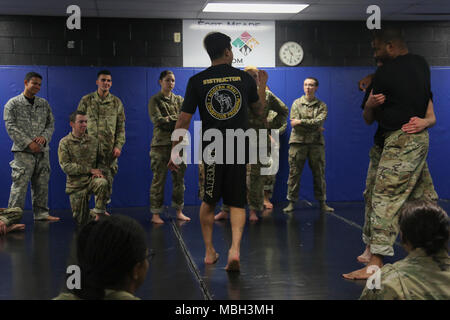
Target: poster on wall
253,42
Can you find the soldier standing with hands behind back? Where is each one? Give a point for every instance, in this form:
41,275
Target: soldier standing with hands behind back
30,124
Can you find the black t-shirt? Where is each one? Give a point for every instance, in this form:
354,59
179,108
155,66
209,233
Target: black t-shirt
223,95
378,138
30,100
405,81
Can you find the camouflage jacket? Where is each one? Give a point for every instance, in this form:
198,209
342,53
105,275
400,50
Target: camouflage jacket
417,277
24,122
273,103
312,114
163,112
276,122
77,156
106,123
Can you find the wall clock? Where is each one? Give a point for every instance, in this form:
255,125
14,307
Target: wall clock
291,53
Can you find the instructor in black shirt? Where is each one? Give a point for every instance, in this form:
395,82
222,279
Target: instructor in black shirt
401,91
224,96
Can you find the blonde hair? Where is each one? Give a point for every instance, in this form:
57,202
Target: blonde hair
248,68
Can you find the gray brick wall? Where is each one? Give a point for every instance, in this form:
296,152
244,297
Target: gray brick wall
348,43
149,42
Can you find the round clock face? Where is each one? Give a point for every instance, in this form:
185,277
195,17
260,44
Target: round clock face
291,53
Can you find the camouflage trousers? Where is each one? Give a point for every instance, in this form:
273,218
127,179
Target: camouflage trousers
11,216
79,200
34,168
159,158
397,173
255,187
298,153
269,183
109,171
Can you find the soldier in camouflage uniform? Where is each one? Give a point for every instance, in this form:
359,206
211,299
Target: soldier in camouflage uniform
30,124
9,220
77,155
400,159
163,109
306,142
269,180
425,273
255,181
425,184
106,124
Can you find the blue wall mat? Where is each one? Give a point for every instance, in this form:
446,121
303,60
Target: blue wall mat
439,153
347,138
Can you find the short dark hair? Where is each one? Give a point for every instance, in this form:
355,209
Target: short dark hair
424,224
165,73
107,251
73,115
30,75
105,72
391,34
215,44
314,79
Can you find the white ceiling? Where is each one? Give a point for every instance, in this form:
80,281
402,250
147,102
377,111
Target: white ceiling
192,9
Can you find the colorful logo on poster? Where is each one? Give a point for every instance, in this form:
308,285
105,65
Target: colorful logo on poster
245,43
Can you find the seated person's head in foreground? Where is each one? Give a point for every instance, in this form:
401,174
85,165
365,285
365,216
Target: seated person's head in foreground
424,224
112,254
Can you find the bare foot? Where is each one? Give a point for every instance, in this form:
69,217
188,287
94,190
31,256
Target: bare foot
15,227
107,213
157,219
268,204
51,218
181,216
361,274
365,256
222,215
364,273
253,216
211,259
233,264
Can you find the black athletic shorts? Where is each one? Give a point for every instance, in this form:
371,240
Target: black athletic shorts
226,181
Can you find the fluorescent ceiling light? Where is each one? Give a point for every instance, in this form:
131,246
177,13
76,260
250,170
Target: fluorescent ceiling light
254,7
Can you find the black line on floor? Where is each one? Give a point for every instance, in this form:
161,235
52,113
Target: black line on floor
353,224
190,261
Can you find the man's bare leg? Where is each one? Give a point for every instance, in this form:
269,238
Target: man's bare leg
267,202
181,216
207,224
362,274
365,256
157,219
253,216
237,228
222,215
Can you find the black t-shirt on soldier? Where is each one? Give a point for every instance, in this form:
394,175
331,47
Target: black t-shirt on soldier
223,95
405,81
